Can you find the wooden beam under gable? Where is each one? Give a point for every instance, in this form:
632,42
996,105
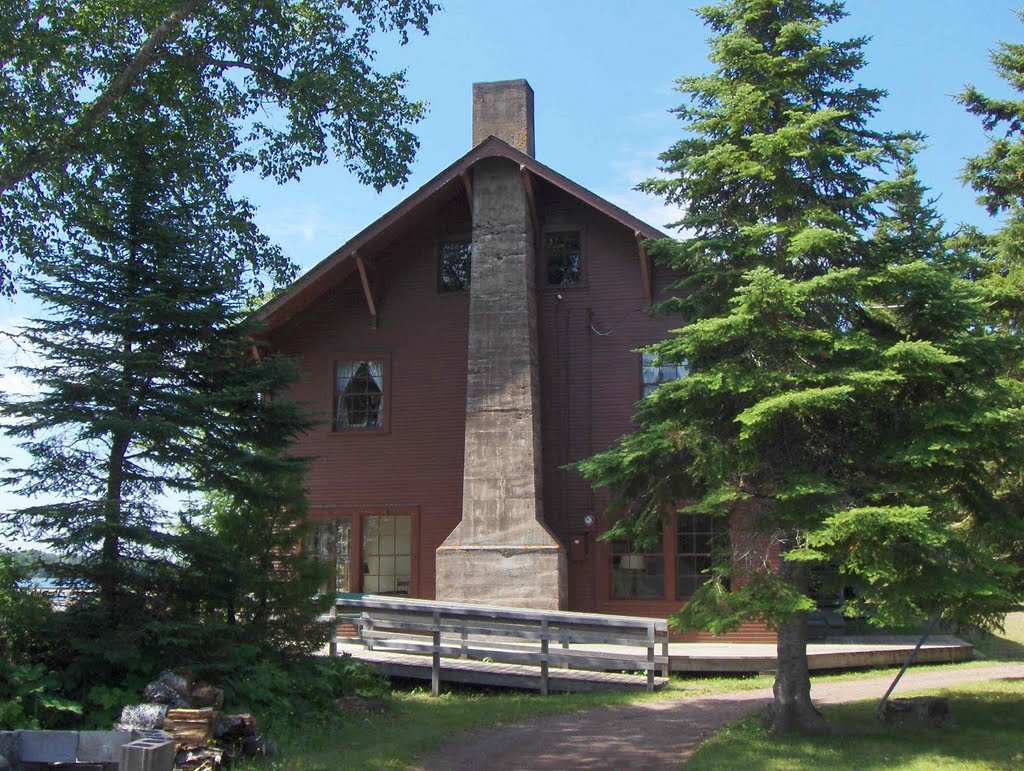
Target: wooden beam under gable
531,202
645,267
371,305
467,182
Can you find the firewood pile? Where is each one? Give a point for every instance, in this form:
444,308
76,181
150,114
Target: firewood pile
207,739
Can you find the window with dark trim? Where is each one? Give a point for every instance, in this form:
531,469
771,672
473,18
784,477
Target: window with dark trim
697,538
637,574
563,258
358,394
654,373
454,260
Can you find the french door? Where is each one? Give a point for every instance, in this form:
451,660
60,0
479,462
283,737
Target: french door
369,552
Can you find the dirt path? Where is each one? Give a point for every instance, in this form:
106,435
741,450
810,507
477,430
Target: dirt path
657,735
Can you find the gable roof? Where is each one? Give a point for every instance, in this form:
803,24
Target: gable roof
340,263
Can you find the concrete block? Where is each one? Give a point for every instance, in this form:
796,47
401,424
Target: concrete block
9,743
101,746
48,747
148,754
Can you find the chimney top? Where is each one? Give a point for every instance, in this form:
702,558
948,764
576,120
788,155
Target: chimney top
504,109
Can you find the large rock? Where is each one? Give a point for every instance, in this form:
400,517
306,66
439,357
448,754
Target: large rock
922,710
170,689
143,717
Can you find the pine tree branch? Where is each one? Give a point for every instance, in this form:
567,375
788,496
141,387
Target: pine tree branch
144,57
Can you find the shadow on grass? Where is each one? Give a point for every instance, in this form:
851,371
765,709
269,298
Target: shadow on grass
999,648
987,735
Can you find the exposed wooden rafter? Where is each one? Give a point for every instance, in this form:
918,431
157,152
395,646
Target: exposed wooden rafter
341,263
467,182
531,202
645,267
371,304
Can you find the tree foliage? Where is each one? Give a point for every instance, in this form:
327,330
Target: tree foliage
852,400
272,87
147,382
997,175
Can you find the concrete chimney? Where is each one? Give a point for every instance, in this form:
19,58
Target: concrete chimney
504,109
502,553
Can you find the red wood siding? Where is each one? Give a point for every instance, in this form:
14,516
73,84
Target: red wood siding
423,333
590,381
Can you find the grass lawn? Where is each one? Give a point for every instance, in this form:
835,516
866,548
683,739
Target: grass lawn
988,736
1005,646
990,716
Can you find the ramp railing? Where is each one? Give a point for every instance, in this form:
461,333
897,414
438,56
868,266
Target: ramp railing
540,638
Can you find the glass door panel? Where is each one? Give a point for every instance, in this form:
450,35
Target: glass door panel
343,561
332,545
387,554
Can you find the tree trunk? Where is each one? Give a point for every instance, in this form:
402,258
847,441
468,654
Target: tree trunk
112,523
792,712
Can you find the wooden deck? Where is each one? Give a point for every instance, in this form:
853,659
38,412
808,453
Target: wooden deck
684,658
841,653
499,675
561,651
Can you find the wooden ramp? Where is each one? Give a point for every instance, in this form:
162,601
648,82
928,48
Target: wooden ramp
473,672
499,646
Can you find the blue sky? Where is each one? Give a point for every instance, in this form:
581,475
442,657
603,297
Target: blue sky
603,75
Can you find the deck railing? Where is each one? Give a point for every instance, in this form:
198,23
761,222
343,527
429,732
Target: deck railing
507,635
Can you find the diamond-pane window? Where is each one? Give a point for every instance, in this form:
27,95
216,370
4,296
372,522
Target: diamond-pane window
358,394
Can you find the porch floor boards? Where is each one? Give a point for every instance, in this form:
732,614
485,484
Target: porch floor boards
697,658
836,653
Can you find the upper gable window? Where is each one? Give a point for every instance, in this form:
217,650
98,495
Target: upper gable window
454,259
656,374
359,394
563,257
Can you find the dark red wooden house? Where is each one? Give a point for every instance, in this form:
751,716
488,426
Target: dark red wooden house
462,350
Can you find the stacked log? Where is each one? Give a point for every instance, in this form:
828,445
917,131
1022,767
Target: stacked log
206,739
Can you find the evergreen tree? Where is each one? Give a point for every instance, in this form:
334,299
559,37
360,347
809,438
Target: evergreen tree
849,402
147,379
998,177
240,569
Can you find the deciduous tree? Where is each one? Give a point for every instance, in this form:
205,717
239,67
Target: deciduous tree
280,84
